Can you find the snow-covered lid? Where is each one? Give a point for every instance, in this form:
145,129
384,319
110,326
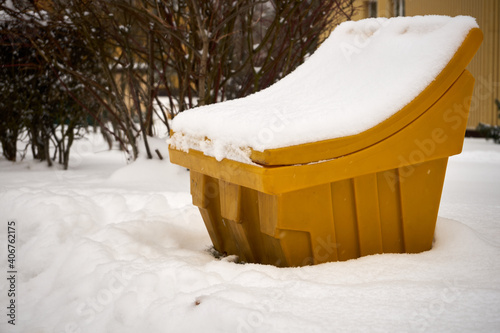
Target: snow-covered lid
364,73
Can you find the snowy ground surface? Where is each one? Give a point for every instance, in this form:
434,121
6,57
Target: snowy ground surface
110,247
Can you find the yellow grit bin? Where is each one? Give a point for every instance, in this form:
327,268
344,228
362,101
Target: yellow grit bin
377,191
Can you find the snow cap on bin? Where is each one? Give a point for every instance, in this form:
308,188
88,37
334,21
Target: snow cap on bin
363,74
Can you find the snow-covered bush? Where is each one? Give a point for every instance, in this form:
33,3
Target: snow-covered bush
40,102
194,52
125,53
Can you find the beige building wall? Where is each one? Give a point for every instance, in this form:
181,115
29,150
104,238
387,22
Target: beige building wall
485,66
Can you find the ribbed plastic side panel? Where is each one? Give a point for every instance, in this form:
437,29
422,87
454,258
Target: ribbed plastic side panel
394,211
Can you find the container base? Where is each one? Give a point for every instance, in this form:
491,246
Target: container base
392,211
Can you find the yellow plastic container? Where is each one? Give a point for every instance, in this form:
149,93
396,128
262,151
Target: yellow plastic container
374,192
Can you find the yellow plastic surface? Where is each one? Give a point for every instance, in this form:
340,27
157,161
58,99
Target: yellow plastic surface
381,197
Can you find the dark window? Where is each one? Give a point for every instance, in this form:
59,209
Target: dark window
372,8
399,7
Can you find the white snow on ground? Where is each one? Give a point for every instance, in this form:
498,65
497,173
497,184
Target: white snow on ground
109,247
361,75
